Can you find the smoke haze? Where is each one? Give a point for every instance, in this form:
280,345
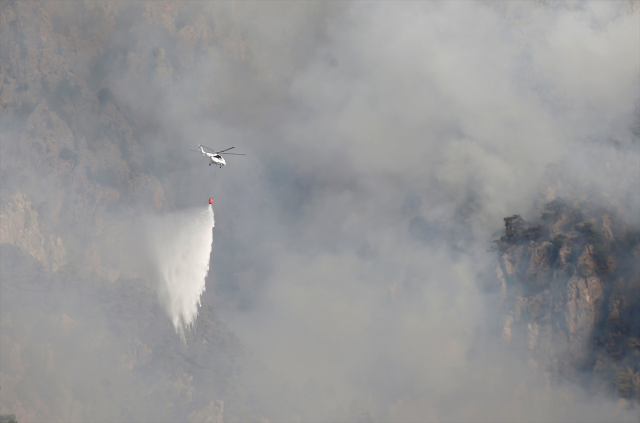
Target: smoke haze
385,141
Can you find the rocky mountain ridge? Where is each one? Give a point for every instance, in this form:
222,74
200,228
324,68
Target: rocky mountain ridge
72,150
569,293
72,164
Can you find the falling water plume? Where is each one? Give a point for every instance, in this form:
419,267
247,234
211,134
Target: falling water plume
181,246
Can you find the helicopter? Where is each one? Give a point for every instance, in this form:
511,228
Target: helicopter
215,157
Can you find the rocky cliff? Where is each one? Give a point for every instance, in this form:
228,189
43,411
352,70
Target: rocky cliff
77,145
73,176
569,292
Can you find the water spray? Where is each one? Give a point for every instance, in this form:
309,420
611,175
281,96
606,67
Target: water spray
181,246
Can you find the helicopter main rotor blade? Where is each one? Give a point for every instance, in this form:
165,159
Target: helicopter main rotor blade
210,149
234,154
224,150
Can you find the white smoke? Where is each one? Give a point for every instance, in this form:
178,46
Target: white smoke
180,248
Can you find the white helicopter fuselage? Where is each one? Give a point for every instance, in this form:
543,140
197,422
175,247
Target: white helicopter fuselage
214,158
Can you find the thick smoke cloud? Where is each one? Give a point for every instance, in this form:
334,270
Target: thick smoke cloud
444,115
386,141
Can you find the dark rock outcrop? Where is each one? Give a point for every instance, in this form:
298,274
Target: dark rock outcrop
569,292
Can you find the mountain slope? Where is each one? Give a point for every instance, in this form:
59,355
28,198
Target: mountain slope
569,292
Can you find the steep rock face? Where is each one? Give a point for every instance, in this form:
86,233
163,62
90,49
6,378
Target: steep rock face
77,163
19,226
569,288
45,109
77,142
